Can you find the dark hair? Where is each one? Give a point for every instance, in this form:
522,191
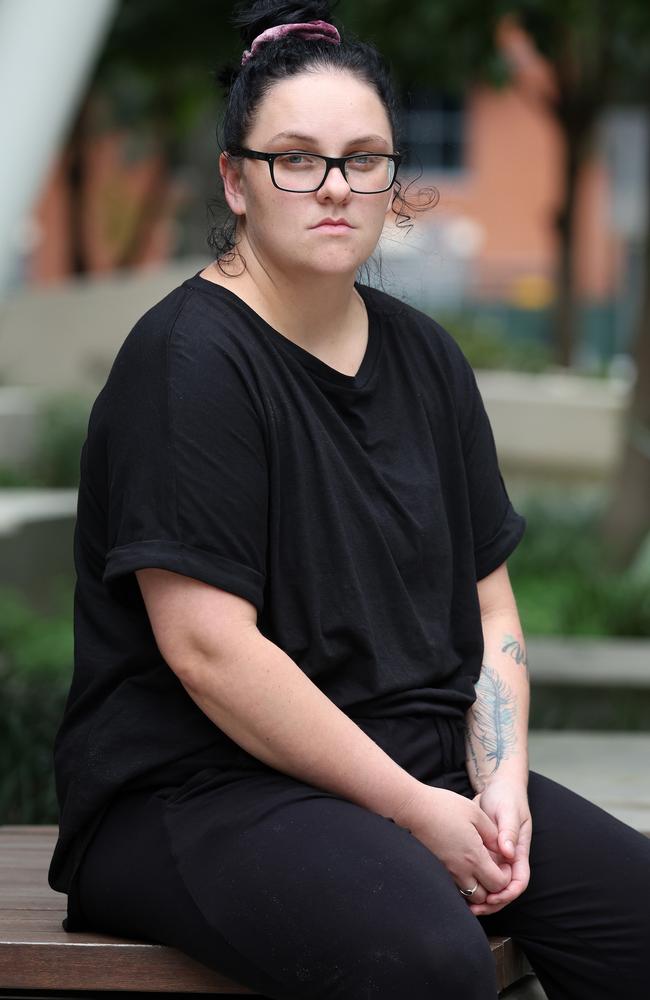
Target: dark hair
247,85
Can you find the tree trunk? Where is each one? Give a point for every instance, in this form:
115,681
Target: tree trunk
626,521
76,184
581,95
565,314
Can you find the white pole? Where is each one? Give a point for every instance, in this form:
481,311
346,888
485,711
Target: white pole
47,51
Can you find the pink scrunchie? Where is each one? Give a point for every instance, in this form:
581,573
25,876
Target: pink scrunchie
308,29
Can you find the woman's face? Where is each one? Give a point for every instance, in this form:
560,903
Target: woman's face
332,113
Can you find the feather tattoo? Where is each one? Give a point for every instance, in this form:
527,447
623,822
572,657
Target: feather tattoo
493,717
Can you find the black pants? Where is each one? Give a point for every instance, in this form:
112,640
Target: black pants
296,892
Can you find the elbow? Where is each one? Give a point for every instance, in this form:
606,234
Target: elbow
197,627
201,655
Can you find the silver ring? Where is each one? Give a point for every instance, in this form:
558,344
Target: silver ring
469,892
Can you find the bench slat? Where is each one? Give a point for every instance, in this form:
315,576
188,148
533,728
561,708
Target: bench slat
115,965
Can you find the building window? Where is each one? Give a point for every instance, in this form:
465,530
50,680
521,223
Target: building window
433,129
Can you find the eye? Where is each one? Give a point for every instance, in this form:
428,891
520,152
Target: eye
296,160
365,161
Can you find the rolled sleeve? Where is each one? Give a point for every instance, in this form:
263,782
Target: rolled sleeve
180,558
497,528
186,465
491,554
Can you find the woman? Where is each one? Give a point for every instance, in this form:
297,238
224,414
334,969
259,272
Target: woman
281,752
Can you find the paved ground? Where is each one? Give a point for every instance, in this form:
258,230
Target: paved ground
610,769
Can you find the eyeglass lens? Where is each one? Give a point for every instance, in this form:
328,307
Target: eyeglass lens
304,172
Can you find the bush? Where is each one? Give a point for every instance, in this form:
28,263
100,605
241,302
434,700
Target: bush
36,656
560,579
62,424
485,343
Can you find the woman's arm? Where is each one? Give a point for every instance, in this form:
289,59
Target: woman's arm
496,726
496,732
262,699
258,696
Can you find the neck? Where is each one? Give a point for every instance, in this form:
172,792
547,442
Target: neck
314,310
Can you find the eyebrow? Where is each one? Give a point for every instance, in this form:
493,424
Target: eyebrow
361,140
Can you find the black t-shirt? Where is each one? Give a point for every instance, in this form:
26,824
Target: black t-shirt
355,512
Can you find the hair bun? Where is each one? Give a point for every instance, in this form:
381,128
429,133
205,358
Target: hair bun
252,17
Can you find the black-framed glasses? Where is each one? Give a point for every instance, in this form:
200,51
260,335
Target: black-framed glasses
298,171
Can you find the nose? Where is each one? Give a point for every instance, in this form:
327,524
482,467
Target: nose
335,184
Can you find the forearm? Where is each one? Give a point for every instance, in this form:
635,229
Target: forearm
262,699
496,726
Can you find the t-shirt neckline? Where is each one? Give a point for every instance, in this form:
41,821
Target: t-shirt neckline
319,368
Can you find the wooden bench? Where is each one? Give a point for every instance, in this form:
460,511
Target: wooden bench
36,954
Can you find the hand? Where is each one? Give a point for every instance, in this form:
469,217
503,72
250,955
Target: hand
505,801
461,834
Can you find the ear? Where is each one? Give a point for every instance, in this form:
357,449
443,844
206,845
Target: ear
391,195
232,188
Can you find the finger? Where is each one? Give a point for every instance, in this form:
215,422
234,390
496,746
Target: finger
509,824
492,876
485,910
521,862
521,867
511,891
492,905
496,901
487,830
498,858
480,893
519,882
479,896
507,839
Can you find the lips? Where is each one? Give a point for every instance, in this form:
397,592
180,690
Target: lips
334,222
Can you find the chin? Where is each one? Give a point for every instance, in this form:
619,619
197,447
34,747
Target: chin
333,263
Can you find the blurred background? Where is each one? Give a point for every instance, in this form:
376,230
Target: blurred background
529,123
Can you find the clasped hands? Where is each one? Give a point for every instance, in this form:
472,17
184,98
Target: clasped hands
505,803
485,839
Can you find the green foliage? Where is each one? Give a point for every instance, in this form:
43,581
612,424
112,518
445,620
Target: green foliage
13,476
32,710
578,706
36,655
159,62
31,642
486,344
62,424
602,48
560,579
432,42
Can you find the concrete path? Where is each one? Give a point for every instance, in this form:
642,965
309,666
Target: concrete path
610,769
